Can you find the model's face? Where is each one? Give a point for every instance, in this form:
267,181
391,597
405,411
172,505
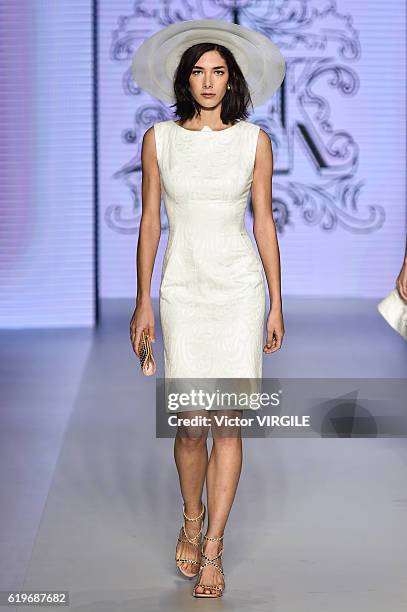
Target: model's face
209,75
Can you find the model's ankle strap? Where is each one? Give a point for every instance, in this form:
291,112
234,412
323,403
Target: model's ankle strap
213,539
197,517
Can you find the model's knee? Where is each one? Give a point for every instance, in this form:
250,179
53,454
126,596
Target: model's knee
227,441
191,438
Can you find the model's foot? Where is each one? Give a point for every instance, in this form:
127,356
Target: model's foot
190,550
210,575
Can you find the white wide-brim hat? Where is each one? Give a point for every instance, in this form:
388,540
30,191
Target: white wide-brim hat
259,59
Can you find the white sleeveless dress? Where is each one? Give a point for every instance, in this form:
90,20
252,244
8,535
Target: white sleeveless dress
212,295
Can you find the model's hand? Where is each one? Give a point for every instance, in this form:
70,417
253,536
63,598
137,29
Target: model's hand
401,283
275,331
143,318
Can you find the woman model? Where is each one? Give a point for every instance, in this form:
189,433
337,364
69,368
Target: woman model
212,296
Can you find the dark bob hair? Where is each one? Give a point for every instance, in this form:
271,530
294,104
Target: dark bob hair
236,99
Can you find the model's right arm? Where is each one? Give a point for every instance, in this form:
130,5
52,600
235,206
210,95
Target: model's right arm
148,239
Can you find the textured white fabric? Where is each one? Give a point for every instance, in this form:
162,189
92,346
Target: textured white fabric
394,310
212,293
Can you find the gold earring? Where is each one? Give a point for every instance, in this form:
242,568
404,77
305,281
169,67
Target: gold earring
228,87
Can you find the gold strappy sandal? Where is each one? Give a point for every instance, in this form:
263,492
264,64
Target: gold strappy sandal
209,561
191,541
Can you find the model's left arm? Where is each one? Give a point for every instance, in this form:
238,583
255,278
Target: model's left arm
401,281
264,231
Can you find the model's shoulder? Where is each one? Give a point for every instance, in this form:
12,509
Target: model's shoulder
162,125
250,127
258,131
155,130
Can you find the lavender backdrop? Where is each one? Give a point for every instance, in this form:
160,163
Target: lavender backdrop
337,127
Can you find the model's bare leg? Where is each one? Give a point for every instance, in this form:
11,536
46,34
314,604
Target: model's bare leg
222,478
191,458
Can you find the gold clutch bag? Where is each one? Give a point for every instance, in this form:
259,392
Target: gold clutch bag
145,350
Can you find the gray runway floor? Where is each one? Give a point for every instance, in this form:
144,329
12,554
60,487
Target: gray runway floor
90,499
